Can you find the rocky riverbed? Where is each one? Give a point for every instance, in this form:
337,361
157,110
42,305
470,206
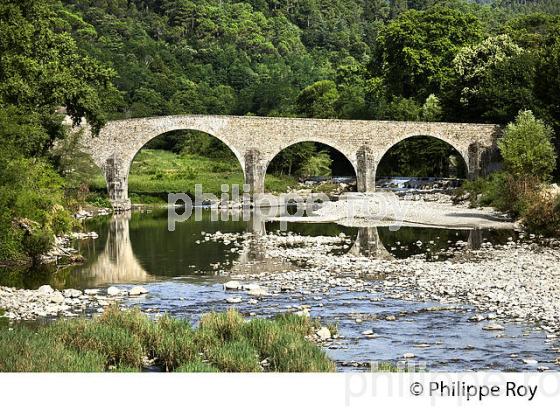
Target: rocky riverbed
518,281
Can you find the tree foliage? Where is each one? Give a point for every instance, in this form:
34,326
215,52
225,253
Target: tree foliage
527,149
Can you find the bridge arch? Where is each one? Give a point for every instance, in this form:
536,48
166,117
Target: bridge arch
330,145
134,137
461,150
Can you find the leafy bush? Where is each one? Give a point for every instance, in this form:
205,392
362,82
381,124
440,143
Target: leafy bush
37,242
543,215
527,148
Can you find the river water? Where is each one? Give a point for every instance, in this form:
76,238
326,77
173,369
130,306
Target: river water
184,273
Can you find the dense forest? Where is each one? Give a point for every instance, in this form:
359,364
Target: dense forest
355,59
432,60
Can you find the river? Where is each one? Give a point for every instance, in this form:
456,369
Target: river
183,273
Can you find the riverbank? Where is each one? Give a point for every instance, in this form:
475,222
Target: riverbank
46,302
129,341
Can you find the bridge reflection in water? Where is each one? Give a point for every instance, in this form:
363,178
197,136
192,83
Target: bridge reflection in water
117,262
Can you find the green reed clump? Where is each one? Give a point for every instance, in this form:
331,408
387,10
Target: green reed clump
122,340
197,366
23,350
174,344
234,356
118,345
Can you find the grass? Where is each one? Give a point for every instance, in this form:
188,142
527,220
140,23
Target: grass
122,340
154,173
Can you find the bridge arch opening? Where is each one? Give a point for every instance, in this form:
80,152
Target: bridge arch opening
421,161
310,165
176,161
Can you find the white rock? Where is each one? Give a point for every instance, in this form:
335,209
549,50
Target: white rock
530,362
303,313
46,289
493,327
232,285
233,300
137,291
368,332
324,333
113,291
257,292
408,356
57,297
91,292
72,293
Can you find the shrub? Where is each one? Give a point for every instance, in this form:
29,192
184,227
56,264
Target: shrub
174,342
543,215
120,340
502,191
224,326
234,356
197,366
527,148
37,243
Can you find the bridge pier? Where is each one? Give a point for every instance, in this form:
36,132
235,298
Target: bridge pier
116,176
255,171
365,170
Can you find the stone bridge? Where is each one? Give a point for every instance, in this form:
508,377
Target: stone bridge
255,141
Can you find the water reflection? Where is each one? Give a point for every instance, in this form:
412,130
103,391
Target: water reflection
138,248
368,243
117,262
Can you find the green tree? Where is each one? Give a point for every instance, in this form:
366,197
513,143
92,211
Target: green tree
492,80
415,50
318,100
317,165
431,110
42,68
527,149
